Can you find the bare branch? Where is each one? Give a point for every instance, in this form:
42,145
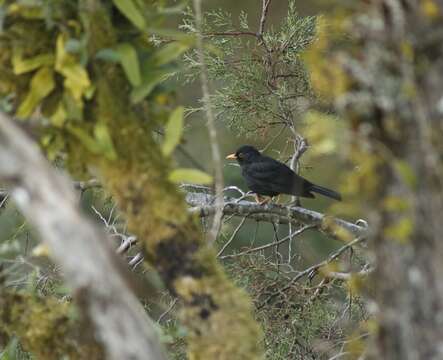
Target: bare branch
231,33
234,234
264,13
89,264
213,139
275,243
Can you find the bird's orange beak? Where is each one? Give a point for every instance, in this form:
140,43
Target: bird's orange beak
231,157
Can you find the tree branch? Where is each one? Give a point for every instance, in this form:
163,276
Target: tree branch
203,205
264,13
215,149
99,279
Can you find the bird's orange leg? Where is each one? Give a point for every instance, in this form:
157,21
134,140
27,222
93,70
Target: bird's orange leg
265,200
261,200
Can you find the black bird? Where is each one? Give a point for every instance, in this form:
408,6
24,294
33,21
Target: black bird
268,177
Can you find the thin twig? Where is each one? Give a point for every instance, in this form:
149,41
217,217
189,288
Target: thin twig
3,198
234,234
313,268
216,156
264,13
282,129
266,246
230,33
300,147
168,310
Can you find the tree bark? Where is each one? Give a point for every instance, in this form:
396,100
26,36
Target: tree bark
394,105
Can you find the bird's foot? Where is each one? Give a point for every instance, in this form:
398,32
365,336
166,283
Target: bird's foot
262,200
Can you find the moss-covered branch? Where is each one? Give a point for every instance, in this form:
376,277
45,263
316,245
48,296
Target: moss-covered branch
48,328
217,314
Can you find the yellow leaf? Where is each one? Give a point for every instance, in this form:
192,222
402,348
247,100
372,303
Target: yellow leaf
396,203
21,66
401,230
356,283
193,176
173,131
322,132
26,11
326,270
41,250
76,76
42,84
430,8
59,116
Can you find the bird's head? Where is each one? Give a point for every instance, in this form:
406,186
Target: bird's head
245,154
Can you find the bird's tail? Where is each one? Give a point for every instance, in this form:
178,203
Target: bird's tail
326,192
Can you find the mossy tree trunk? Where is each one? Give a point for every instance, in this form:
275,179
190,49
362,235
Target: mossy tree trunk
217,314
394,106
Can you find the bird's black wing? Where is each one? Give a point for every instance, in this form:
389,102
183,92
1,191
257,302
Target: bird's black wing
269,176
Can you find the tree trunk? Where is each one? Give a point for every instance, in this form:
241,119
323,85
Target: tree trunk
90,266
394,105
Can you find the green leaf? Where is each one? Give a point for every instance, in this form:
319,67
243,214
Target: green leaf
150,79
169,53
42,84
108,55
129,60
193,176
74,46
104,140
101,143
173,34
10,352
130,10
173,131
87,140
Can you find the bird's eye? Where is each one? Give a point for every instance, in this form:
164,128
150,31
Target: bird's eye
240,156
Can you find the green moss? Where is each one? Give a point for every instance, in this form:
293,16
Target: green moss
46,327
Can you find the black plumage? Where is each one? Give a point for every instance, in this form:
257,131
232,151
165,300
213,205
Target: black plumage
269,177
